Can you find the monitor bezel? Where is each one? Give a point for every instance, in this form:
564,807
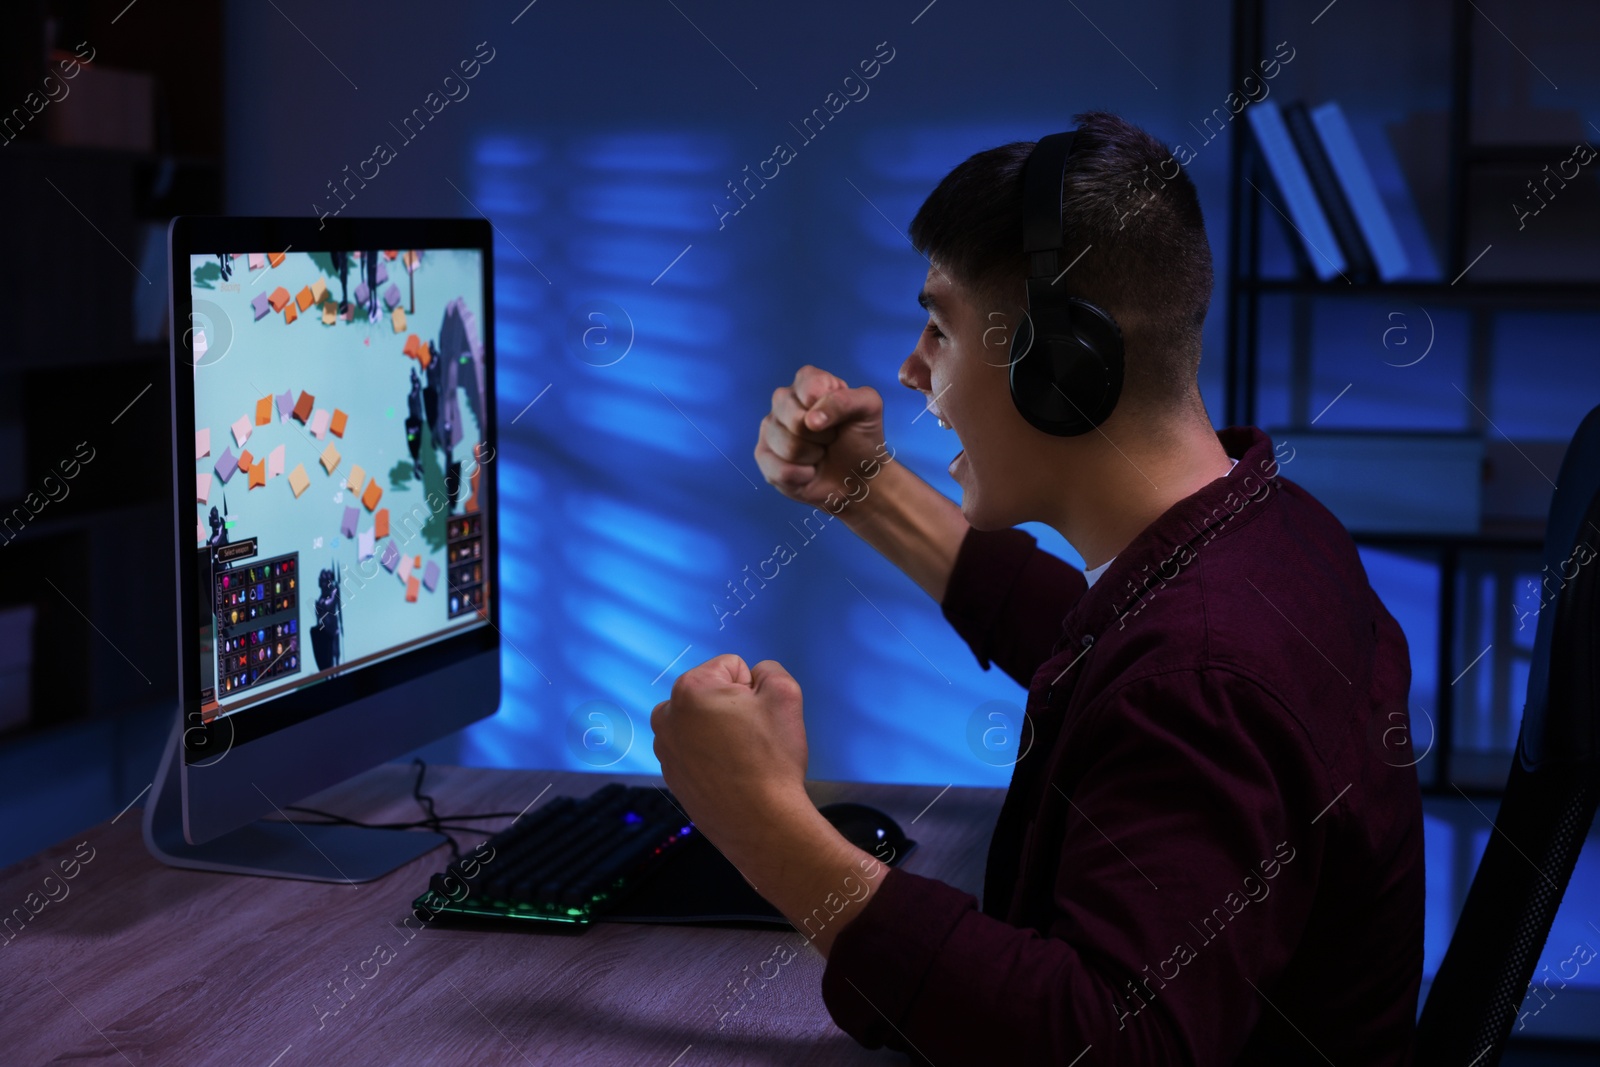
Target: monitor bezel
205,743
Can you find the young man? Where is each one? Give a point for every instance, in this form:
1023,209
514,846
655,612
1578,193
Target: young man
1207,855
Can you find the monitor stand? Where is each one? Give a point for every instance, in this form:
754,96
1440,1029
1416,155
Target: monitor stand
348,854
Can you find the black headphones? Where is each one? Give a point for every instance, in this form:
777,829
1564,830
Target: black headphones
1071,383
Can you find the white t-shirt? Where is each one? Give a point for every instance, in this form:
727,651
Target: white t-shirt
1093,574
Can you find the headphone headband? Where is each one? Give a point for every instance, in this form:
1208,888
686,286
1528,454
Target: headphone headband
1066,355
1042,222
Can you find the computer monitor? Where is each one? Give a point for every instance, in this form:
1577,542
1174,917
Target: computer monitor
334,526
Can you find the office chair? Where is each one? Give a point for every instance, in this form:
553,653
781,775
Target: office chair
1550,795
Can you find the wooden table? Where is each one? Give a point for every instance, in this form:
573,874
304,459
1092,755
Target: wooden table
143,964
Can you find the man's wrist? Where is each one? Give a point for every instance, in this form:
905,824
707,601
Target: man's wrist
916,527
808,871
876,507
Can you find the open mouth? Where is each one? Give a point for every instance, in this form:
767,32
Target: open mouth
945,424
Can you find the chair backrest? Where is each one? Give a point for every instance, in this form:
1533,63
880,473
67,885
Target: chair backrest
1550,796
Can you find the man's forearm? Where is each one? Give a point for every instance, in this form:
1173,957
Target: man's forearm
916,527
805,869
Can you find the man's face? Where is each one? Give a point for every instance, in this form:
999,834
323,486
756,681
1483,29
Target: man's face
960,365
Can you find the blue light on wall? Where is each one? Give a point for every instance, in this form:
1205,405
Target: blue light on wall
638,349
612,406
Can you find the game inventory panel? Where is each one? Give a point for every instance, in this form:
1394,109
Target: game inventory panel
465,557
258,621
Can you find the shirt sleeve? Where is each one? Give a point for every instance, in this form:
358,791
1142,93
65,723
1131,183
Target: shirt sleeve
1007,597
1188,865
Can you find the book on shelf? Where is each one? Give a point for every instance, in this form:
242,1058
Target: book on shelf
1360,191
1318,250
1319,169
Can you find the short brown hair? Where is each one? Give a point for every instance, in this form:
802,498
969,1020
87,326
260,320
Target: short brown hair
1131,204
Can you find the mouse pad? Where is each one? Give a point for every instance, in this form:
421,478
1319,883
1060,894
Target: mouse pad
697,884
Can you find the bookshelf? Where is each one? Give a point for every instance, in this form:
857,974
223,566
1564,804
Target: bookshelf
90,179
1469,564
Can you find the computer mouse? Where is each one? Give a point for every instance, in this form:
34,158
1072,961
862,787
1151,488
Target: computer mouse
870,830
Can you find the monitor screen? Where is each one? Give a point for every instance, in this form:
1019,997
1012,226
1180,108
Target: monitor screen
340,401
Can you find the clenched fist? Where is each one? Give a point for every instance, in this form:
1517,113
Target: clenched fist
822,441
732,744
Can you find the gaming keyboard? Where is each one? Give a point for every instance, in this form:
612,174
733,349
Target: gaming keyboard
574,861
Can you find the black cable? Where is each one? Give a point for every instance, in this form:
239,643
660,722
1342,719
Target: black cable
335,817
434,821
331,819
425,802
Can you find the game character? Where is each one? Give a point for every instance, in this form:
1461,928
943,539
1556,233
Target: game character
219,529
329,627
414,423
341,263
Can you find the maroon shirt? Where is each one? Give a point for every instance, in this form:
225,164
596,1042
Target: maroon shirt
1212,853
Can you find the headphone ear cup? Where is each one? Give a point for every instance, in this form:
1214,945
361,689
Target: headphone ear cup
1030,375
1094,381
1070,376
